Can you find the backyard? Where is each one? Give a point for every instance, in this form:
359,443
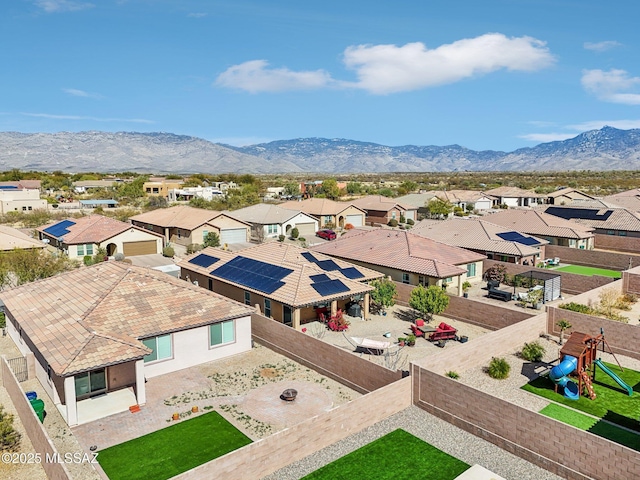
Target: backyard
589,271
172,450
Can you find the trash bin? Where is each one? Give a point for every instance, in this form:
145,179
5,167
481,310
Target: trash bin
31,395
38,407
355,310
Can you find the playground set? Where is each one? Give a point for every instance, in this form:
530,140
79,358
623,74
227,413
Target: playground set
578,360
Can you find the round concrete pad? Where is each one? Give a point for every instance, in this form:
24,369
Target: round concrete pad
264,403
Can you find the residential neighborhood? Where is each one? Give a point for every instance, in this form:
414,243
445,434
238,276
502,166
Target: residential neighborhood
151,322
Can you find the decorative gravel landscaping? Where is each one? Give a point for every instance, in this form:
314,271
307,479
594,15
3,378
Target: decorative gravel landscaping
172,450
580,270
396,456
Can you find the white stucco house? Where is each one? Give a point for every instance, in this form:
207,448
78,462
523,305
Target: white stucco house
270,221
102,330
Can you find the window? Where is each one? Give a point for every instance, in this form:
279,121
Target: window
24,209
211,284
471,270
155,190
448,280
81,250
610,232
267,307
204,235
221,333
89,248
30,208
422,280
622,233
328,219
405,277
393,215
90,383
85,249
49,371
247,298
272,229
161,347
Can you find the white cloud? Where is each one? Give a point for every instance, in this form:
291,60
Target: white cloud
255,76
615,86
383,69
82,117
74,92
601,46
578,128
547,137
53,6
197,15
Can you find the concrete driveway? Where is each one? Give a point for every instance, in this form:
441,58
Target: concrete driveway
153,260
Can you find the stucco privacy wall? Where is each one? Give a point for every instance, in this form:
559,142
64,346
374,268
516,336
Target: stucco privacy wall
279,450
613,242
564,450
41,442
354,372
592,258
571,282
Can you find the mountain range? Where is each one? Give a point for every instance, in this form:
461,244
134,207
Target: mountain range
93,151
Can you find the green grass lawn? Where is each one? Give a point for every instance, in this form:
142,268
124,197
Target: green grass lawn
612,402
172,450
589,271
593,425
396,456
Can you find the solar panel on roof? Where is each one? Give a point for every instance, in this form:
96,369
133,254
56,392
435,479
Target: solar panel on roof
351,273
204,260
328,265
518,238
309,257
579,213
8,187
59,229
319,278
261,276
330,288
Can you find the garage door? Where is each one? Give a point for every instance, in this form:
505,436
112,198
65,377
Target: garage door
355,220
306,229
131,249
233,235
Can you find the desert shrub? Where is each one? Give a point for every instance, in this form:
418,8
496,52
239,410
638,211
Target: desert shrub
302,239
193,248
168,252
577,307
118,257
9,438
393,222
498,368
402,219
496,272
211,240
533,352
629,298
88,260
452,374
348,226
281,238
295,233
410,221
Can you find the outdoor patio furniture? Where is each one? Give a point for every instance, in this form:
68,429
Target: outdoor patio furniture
553,262
367,345
419,322
500,294
416,331
443,332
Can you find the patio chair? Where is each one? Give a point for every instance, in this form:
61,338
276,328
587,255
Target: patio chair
420,322
416,331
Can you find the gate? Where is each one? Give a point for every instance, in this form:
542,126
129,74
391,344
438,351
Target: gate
19,368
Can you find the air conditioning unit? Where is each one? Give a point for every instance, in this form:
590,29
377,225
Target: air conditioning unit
195,282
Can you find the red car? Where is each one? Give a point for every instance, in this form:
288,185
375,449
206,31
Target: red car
326,234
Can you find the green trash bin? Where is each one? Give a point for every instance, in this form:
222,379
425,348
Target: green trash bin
38,406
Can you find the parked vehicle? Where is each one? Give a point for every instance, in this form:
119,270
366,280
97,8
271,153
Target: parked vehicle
326,234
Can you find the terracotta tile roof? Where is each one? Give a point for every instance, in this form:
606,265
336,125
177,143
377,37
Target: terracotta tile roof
91,229
613,216
569,192
180,216
539,223
297,290
630,202
512,192
474,233
401,250
317,206
94,316
28,184
266,214
458,196
380,202
11,238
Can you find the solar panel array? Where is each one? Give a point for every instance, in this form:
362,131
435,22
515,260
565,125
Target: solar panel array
330,287
579,213
331,266
204,260
518,238
261,276
8,187
60,229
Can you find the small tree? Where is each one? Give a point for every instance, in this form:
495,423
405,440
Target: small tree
9,438
498,368
496,273
438,207
563,325
295,232
384,294
100,256
429,301
211,240
168,251
533,352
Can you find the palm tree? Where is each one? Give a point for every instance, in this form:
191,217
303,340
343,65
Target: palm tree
563,325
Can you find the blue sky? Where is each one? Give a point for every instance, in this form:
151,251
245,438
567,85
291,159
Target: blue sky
491,74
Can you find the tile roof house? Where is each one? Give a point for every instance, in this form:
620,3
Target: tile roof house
457,198
270,221
381,209
22,196
82,236
107,327
515,197
406,257
289,284
566,195
479,235
10,239
330,214
186,225
555,230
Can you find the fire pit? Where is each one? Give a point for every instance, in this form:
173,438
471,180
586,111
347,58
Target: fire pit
289,395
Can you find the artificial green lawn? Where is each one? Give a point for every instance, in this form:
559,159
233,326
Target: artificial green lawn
172,450
593,425
589,271
396,456
612,402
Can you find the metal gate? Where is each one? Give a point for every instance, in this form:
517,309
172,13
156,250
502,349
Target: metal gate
19,368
